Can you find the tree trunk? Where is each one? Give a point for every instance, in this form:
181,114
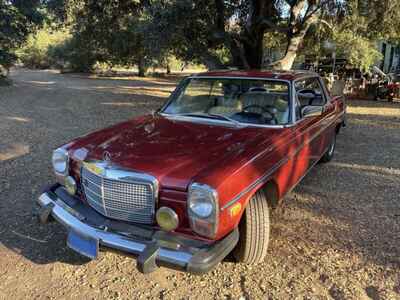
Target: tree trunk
297,32
294,41
247,51
211,61
4,71
254,52
286,62
141,67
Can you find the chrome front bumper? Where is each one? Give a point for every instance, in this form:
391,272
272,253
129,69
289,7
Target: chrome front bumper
183,254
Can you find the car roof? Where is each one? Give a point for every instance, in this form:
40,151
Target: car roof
262,74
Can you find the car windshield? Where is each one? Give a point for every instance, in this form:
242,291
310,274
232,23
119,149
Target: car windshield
249,101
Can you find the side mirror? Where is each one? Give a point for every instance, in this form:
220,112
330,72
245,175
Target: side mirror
312,111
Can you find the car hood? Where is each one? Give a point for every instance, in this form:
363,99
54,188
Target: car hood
174,151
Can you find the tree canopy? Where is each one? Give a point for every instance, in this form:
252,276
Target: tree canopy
18,18
216,33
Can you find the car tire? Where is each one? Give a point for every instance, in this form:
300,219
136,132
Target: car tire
327,157
254,229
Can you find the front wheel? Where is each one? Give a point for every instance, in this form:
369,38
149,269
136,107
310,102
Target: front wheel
330,152
254,230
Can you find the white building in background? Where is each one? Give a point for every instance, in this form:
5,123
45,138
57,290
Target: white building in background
391,57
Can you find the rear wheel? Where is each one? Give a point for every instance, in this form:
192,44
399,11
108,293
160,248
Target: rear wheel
254,231
330,152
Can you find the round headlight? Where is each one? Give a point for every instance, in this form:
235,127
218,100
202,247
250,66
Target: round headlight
70,185
167,218
201,207
60,161
201,203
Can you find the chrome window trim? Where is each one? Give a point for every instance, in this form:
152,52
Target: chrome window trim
294,97
239,77
325,91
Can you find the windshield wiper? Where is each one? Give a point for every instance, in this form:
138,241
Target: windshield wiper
226,118
212,116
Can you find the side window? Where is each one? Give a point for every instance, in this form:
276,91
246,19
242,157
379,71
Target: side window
308,92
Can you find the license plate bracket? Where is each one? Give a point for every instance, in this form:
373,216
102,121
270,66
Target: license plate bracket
84,245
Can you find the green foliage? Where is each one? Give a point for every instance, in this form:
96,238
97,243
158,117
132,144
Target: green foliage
382,20
354,35
190,37
73,55
360,51
107,31
215,33
17,19
38,51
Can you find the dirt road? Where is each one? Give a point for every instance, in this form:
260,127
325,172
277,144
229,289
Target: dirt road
337,236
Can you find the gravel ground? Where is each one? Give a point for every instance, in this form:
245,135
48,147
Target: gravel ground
337,236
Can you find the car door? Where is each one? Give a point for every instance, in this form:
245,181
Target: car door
313,131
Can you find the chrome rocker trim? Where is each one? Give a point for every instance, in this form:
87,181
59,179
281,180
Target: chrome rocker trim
150,254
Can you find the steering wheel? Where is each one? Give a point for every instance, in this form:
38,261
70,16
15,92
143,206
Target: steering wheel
269,109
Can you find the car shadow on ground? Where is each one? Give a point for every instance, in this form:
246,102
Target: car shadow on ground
41,244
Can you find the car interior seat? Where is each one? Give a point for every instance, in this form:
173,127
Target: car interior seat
265,99
227,104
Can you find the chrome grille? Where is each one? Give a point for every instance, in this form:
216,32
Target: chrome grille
122,200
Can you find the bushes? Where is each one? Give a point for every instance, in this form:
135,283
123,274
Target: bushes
79,53
56,49
36,54
72,54
6,60
17,20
